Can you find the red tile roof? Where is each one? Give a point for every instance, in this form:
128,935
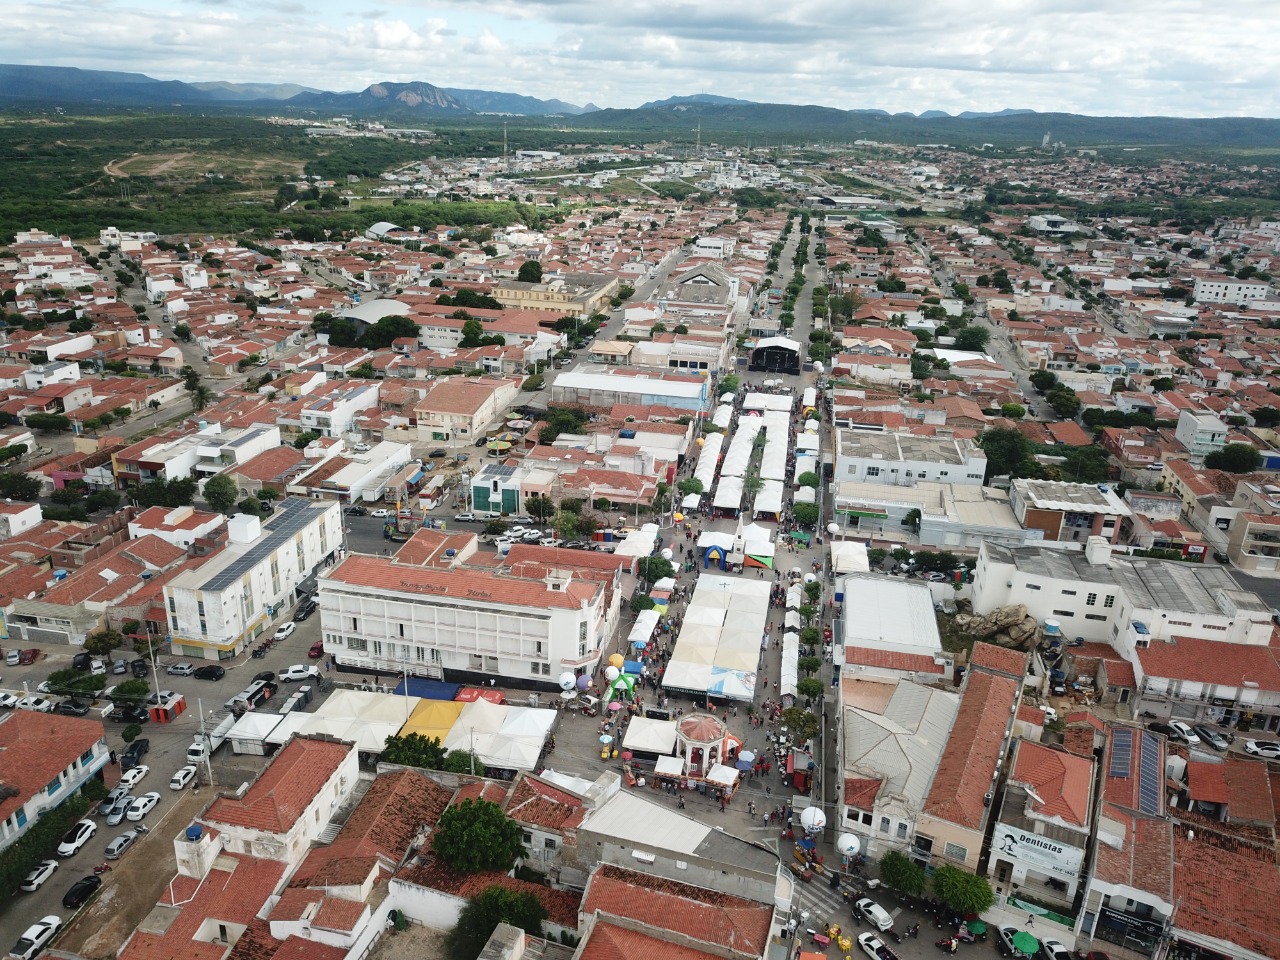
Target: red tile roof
284,789
860,792
433,874
35,748
1206,781
1001,659
892,660
537,803
695,912
1144,859
1061,780
1211,662
974,750
609,942
1220,893
1249,794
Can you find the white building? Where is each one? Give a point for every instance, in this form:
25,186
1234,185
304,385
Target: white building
1200,433
1124,601
380,615
334,411
904,459
1229,291
180,526
889,629
222,606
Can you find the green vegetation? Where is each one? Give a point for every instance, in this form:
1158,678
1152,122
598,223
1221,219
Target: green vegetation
476,835
38,843
482,914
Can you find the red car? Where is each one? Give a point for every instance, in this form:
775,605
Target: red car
28,656
317,650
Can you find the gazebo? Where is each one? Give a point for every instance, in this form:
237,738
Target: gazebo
703,740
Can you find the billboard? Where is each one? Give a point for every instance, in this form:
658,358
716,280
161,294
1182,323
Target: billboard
1040,852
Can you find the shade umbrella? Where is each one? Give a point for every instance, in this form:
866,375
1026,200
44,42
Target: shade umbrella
615,707
626,754
743,765
1025,942
519,424
499,445
747,755
568,694
976,927
605,738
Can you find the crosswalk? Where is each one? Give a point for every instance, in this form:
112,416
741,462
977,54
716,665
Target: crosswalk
825,905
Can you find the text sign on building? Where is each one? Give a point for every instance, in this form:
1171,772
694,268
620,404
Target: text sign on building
1043,853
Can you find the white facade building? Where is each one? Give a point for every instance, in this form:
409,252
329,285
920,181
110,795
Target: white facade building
334,412
383,616
219,608
904,459
1200,433
1229,291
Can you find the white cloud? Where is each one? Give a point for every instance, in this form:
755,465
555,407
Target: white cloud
1178,57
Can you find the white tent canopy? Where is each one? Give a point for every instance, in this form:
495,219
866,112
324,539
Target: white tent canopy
806,495
728,494
650,736
849,556
790,664
669,767
769,499
770,401
725,776
705,470
723,416
713,538
717,648
642,629
639,543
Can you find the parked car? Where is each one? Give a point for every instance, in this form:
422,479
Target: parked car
876,915
299,672
123,714
37,877
548,542
119,666
1004,942
161,696
360,447
140,668
575,545
381,513
1217,554
1163,728
210,671
12,657
285,631
183,777
8,701
36,704
356,511
35,937
1183,732
522,518
180,669
111,799
117,847
97,668
134,753
438,453
305,609
82,661
80,833
142,806
72,708
266,675
464,518
874,947
1053,950
131,776
28,657
1263,748
1212,737
80,891
317,650
531,536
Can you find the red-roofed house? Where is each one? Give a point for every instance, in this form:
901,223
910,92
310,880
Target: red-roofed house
1043,827
290,803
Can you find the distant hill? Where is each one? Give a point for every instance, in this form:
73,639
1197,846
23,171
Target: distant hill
694,98
20,82
393,98
489,101
224,90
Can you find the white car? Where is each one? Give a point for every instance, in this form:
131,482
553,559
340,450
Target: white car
131,777
36,704
874,947
516,531
1263,748
8,701
75,838
549,542
1054,950
531,536
36,878
299,672
1184,732
97,668
142,806
876,915
285,631
180,669
360,448
35,937
183,777
380,513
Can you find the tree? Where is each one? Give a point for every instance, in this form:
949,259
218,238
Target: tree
689,485
654,568
540,506
912,519
809,687
472,333
387,329
1234,458
813,591
973,338
1064,401
103,642
476,835
530,272
19,486
1006,449
1014,411
68,496
899,872
1043,380
963,892
250,505
49,422
482,914
103,500
462,761
1266,417
220,492
800,723
806,514
414,750
810,665
809,479
303,439
495,527
640,602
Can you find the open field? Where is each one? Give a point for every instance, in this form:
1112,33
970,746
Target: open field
191,165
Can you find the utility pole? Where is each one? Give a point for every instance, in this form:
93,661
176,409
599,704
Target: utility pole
204,739
506,164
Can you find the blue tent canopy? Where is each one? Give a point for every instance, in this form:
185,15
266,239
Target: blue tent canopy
429,689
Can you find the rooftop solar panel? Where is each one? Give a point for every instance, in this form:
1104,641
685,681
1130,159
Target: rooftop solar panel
1121,753
293,515
1150,775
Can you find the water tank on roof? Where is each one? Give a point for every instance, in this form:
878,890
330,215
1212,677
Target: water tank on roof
194,832
59,575
451,552
1052,628
627,434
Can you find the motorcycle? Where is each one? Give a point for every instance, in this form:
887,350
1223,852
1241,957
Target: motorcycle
897,937
947,945
259,653
101,869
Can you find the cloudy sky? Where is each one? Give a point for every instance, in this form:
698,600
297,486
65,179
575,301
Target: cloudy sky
1102,57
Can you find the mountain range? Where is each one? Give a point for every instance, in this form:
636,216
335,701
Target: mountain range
714,116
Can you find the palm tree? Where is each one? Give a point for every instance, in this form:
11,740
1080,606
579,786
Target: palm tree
840,269
200,397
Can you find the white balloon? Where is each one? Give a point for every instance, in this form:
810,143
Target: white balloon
611,673
833,528
812,819
848,844
667,554
567,681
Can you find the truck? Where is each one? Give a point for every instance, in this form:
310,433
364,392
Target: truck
207,743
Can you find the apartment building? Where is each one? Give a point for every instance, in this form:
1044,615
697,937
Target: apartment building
1200,434
462,624
222,606
1254,544
1229,291
1068,511
181,454
904,459
571,294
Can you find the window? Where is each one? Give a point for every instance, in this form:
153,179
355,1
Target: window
1095,616
172,606
546,669
1179,623
54,785
377,648
87,756
354,626
1033,586
533,668
528,839
902,831
873,471
1063,613
1110,601
953,851
549,843
1213,626
401,629
537,646
1091,600
357,643
884,824
1068,593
